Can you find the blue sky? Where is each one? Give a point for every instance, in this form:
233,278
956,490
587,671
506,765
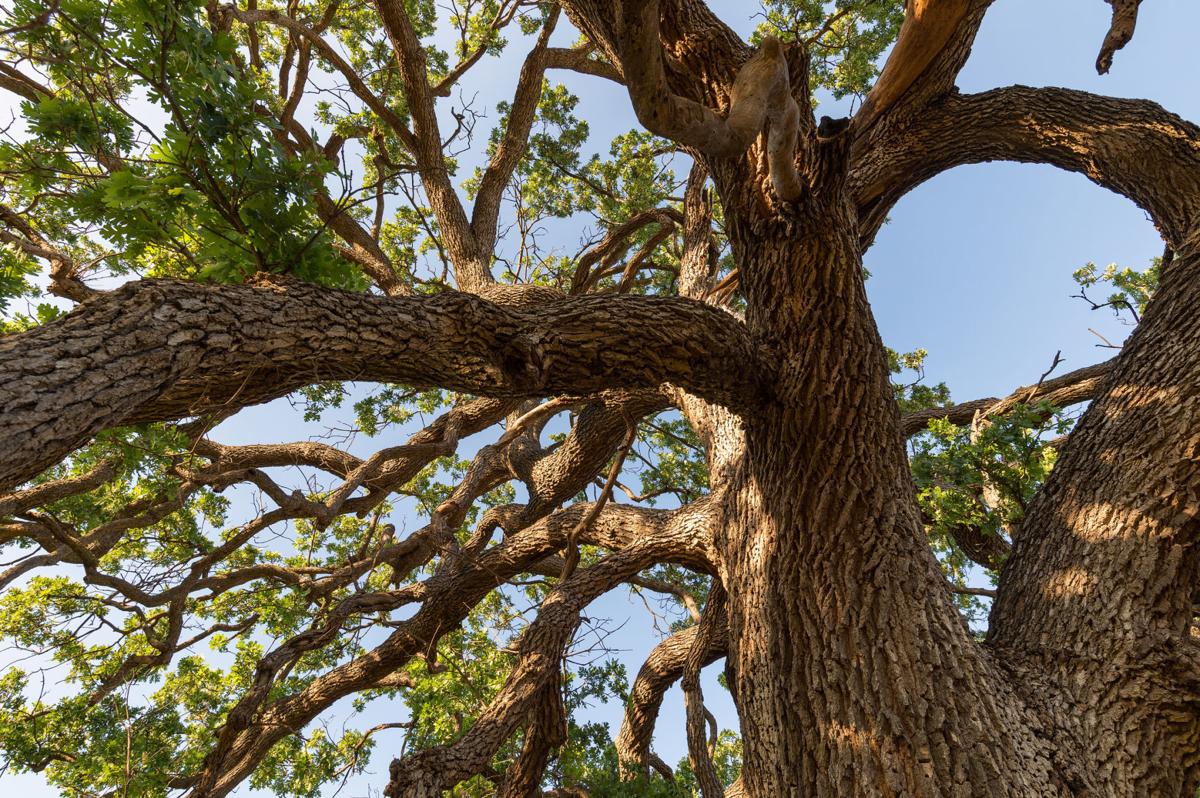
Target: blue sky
974,266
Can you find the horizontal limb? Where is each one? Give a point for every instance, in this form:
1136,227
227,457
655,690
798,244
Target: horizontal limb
162,350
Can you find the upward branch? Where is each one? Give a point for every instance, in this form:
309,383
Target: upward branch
470,264
929,27
515,142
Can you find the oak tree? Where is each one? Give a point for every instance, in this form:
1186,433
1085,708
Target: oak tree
218,205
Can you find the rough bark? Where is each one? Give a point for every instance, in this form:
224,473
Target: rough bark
1132,147
157,350
1096,598
851,670
661,669
854,675
254,725
470,263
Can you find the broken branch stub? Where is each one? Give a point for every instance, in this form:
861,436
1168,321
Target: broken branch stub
1120,31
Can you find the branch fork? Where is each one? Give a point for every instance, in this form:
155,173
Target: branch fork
761,95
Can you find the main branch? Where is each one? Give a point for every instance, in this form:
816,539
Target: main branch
159,350
1132,147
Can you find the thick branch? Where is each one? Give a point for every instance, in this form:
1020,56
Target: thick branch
52,491
682,536
578,59
545,730
662,668
638,36
1132,147
160,350
429,772
699,261
64,277
360,247
553,477
981,546
705,52
512,146
719,430
471,266
761,93
658,108
930,27
711,626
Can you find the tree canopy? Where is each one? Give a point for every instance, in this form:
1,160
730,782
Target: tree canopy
524,371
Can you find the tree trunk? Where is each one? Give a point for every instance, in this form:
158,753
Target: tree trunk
1098,596
854,674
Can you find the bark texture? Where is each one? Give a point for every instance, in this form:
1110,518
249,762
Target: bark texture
854,674
852,671
1097,596
156,350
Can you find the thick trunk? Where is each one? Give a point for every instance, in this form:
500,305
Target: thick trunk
1097,597
854,674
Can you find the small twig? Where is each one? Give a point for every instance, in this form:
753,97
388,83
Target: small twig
1107,344
1058,358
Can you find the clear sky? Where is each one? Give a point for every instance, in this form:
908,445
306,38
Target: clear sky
974,266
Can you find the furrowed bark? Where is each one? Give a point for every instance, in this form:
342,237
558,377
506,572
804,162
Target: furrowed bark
854,673
760,92
851,669
712,624
551,478
719,430
161,350
471,265
428,773
684,120
545,730
1132,147
1096,602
